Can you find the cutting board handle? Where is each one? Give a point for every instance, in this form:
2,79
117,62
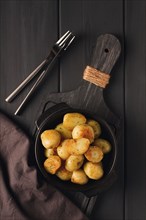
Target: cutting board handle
105,55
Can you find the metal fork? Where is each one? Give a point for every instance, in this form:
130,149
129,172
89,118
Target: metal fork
61,45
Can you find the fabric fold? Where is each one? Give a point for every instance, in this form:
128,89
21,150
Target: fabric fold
24,193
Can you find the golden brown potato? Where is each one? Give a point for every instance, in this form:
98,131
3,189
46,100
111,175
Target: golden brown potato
65,133
74,162
63,149
94,154
83,131
50,138
96,127
70,120
93,170
80,147
103,144
69,143
49,152
64,174
52,164
79,177
62,152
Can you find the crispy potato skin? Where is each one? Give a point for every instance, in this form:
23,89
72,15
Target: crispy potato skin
63,150
79,177
94,154
80,146
103,144
70,120
83,131
69,143
49,152
74,162
74,149
64,174
96,127
93,170
50,138
52,164
65,133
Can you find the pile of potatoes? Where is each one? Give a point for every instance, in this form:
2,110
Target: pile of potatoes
74,149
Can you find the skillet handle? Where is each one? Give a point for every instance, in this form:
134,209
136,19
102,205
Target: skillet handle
53,107
89,198
109,181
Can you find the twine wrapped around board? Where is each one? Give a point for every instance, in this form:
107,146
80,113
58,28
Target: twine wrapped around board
96,76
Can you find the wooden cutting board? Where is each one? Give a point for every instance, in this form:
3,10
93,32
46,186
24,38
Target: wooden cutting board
89,97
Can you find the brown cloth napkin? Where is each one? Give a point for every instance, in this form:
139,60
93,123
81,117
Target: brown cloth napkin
23,194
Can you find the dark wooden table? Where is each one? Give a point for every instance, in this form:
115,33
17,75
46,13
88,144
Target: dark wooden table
28,30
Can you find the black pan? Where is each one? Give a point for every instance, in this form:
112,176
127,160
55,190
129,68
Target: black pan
48,120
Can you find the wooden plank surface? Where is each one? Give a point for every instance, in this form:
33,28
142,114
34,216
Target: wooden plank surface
28,31
135,109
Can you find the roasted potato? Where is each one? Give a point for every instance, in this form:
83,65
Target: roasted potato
70,120
64,174
96,127
52,164
93,170
80,147
103,144
50,138
65,133
63,150
94,154
74,162
69,143
79,177
83,131
49,152
74,150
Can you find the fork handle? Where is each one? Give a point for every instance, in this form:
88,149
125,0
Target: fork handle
46,67
30,92
41,67
25,82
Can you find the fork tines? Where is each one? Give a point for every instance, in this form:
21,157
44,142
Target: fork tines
65,40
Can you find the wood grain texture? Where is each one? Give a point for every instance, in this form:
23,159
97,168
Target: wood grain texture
28,31
88,96
106,53
135,110
33,21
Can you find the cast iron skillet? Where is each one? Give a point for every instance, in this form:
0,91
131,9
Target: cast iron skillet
48,120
